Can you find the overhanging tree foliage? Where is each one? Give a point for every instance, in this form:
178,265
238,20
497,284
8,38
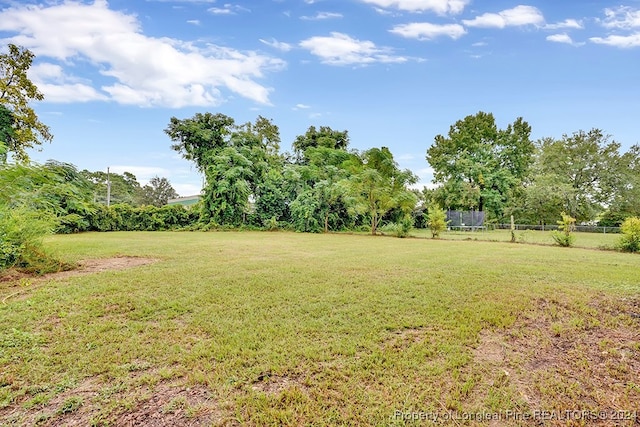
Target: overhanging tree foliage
16,91
7,132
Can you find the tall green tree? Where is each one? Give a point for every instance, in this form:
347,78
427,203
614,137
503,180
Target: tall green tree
325,171
235,160
16,91
626,201
267,133
480,165
324,137
544,199
377,185
198,137
158,192
590,164
272,199
226,195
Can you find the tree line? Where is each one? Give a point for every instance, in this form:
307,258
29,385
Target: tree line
321,185
324,185
501,171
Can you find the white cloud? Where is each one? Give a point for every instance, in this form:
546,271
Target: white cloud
623,17
321,16
139,70
567,23
428,31
285,47
632,40
341,49
193,22
518,16
220,11
382,11
441,7
301,107
60,87
228,9
562,38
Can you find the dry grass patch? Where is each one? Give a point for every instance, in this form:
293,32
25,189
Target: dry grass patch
562,356
173,405
276,384
95,403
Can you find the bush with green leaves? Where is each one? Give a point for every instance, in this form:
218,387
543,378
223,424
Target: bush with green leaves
405,226
437,221
564,235
400,228
630,240
36,200
123,217
21,233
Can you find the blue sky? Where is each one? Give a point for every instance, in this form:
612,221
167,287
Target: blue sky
393,73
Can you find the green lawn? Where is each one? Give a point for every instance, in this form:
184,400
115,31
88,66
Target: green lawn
258,328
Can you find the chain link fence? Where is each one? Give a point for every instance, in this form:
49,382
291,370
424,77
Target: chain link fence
549,227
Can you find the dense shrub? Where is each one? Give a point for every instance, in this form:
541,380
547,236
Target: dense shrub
123,217
399,229
437,221
630,240
71,223
21,233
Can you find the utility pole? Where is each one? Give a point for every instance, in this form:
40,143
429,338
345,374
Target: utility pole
108,188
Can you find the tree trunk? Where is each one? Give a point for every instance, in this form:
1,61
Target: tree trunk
373,224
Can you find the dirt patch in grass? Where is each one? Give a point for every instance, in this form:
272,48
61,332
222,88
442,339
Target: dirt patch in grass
165,404
86,266
68,408
563,356
491,349
89,266
275,384
173,405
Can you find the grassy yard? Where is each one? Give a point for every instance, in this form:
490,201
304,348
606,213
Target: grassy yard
258,328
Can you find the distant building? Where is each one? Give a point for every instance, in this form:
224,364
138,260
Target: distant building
185,201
